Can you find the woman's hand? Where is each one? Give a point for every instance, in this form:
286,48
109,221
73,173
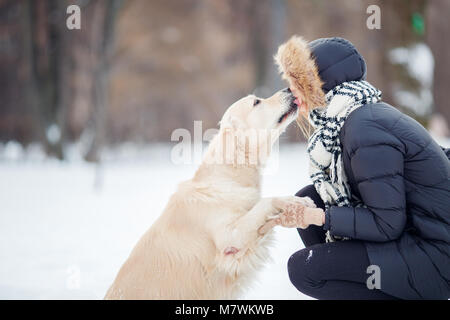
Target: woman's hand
295,212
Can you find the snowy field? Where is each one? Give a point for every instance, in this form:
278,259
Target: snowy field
66,227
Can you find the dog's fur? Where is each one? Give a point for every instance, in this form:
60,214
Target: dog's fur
298,67
206,244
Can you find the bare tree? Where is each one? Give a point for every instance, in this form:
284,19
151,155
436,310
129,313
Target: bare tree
50,65
266,32
102,44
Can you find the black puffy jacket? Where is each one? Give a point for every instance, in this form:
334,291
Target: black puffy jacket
402,176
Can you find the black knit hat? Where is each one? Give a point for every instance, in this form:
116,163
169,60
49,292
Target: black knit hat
337,61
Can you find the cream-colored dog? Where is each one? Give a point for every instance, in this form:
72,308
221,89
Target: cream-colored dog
208,242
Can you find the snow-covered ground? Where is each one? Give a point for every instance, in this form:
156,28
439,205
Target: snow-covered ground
66,227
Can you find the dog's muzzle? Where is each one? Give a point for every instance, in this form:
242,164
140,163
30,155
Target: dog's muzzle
289,100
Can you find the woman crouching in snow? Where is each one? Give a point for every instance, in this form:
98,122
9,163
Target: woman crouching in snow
382,182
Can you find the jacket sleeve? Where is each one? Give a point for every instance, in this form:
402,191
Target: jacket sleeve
378,172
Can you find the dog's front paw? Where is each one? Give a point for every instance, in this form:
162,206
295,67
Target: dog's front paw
280,203
281,206
289,213
306,201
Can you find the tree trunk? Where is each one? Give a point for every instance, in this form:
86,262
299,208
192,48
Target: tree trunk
104,21
49,83
266,32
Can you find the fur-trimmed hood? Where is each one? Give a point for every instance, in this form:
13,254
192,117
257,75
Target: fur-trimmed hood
298,68
317,67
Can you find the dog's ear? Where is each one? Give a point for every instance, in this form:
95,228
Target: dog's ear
232,122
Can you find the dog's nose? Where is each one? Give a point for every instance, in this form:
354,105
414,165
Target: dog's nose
287,90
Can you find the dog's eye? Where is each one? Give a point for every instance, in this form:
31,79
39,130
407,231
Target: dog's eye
256,102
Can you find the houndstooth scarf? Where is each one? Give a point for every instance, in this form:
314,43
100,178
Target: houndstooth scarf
324,146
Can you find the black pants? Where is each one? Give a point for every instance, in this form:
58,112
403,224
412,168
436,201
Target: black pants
336,270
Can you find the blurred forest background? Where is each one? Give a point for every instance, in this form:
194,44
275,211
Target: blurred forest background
138,69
